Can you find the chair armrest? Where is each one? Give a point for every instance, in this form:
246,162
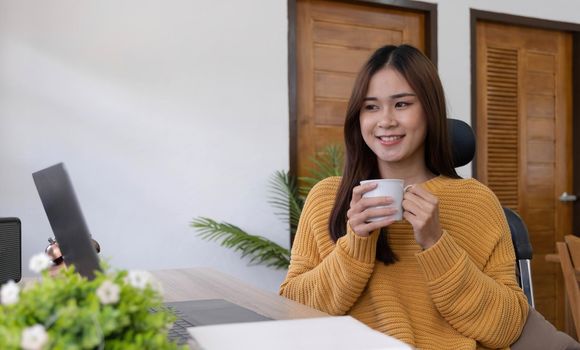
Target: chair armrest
519,232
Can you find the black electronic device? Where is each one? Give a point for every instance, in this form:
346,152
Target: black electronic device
10,250
66,219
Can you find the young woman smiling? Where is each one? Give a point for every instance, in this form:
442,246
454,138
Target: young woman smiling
444,276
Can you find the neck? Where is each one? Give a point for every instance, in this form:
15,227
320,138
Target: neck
411,173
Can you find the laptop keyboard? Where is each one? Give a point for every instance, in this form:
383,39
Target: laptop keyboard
192,313
178,331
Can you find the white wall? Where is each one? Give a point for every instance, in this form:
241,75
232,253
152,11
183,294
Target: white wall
162,111
168,110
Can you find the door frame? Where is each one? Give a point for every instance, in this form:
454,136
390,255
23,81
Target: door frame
430,11
476,15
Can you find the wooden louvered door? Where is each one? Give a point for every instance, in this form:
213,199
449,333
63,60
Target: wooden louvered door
333,40
524,151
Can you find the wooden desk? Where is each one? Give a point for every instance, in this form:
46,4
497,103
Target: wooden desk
207,283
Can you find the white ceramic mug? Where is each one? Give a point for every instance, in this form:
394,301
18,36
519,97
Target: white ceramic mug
393,188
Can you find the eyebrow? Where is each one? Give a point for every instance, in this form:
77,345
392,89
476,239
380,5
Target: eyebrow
392,97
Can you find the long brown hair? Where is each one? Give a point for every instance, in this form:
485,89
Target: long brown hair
361,163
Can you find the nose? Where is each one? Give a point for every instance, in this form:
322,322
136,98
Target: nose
387,120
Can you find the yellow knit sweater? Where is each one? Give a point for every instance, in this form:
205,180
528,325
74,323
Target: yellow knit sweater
459,294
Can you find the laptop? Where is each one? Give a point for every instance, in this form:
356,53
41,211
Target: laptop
72,234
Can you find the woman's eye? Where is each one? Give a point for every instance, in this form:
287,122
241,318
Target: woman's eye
402,104
370,107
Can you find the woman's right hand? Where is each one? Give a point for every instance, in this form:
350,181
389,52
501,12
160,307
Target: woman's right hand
363,209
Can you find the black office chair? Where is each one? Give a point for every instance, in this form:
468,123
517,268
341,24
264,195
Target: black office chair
463,147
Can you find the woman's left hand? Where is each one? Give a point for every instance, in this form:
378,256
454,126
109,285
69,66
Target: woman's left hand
421,210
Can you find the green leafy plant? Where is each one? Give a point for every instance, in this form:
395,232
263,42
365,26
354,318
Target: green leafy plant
259,249
67,311
287,197
329,163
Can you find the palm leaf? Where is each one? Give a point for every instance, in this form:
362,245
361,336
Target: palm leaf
329,163
258,249
286,198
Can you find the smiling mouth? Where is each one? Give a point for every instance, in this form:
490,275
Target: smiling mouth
390,138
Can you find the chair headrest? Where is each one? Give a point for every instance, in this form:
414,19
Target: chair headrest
462,141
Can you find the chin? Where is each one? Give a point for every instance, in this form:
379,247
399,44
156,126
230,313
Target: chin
390,159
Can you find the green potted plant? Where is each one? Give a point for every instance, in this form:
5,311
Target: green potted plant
64,310
288,195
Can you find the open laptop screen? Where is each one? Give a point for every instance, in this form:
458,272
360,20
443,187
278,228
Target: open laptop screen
66,219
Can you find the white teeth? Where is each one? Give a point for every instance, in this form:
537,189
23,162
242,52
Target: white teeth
389,138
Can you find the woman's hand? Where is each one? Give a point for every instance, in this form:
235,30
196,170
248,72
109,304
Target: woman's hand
55,269
421,210
363,209
54,253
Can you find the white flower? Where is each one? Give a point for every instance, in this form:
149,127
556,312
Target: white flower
139,279
108,293
39,262
157,286
34,338
9,293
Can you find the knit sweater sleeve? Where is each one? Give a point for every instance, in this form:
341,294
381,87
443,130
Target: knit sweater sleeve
471,274
323,275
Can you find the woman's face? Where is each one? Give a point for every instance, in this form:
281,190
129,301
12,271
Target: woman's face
392,120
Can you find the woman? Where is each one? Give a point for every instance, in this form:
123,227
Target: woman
442,278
